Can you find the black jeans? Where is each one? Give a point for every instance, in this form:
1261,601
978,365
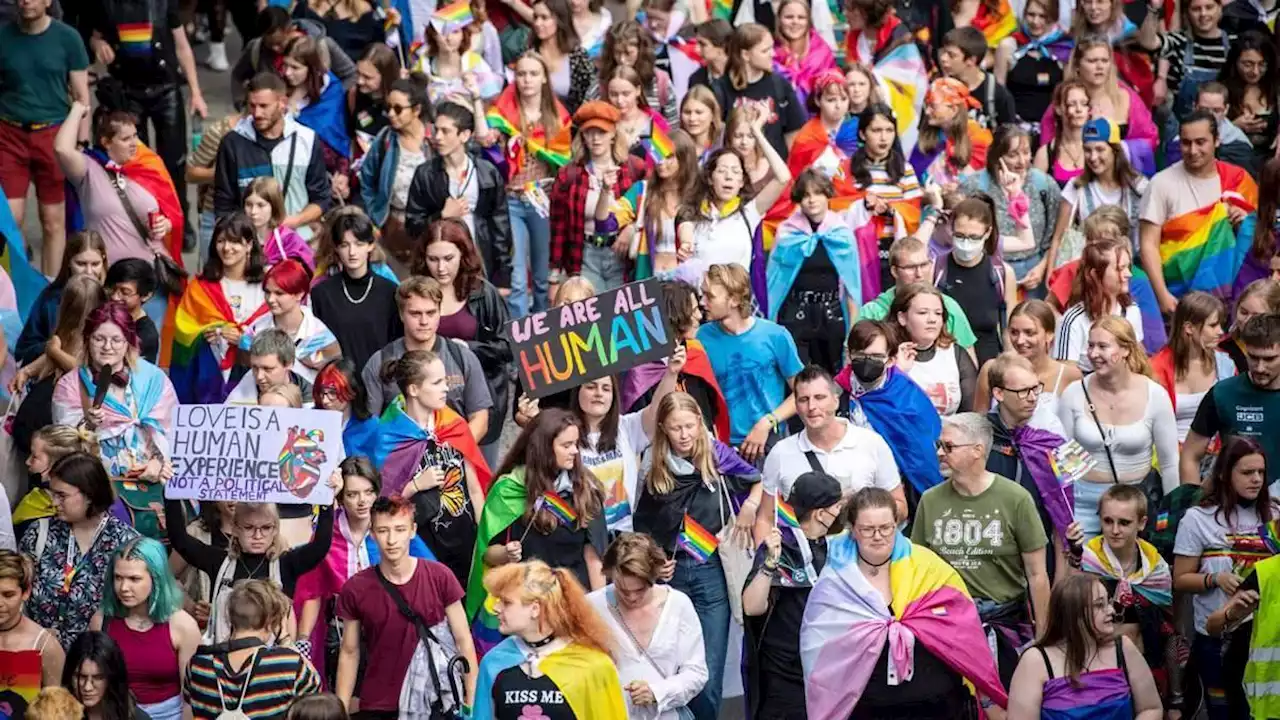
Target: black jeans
164,107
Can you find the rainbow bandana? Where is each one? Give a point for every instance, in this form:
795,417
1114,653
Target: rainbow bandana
847,624
1198,249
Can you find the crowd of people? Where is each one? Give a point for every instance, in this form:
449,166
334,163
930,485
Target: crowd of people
972,407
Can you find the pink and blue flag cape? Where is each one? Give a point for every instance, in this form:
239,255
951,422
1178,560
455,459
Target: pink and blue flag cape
847,624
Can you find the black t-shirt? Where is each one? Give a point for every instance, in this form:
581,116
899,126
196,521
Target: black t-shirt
997,108
779,653
786,115
935,691
702,76
699,389
148,339
817,273
1031,82
562,547
445,517
972,288
363,328
145,53
516,696
368,115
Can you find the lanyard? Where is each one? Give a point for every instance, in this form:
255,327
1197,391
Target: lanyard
467,176
69,569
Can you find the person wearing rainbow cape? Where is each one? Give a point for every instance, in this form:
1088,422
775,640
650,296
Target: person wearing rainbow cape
889,631
427,453
1191,217
546,505
553,663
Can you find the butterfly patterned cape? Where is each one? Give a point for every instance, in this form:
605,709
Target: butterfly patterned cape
402,443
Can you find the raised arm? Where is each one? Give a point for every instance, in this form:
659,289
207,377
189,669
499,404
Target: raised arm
70,159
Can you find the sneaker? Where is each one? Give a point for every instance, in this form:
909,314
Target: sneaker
217,59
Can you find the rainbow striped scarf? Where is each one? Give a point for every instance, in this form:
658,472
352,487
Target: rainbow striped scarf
504,117
1198,248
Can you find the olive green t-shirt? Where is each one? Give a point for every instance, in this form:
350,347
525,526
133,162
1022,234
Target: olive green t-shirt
982,537
34,72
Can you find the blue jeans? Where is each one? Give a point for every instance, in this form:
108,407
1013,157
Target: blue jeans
603,267
705,586
1020,270
156,307
1221,694
531,251
204,238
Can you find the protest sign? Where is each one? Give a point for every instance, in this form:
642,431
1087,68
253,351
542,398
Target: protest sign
567,346
254,454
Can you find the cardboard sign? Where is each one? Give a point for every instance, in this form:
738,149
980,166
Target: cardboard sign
254,454
567,346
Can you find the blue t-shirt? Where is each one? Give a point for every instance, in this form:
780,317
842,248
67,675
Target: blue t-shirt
752,369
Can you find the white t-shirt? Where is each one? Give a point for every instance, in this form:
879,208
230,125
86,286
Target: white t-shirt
1174,192
311,326
727,239
861,459
1203,529
939,377
619,469
1072,341
243,297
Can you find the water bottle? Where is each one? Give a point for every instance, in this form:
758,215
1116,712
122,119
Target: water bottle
197,131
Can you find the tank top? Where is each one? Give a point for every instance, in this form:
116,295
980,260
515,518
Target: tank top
974,290
939,377
152,660
23,671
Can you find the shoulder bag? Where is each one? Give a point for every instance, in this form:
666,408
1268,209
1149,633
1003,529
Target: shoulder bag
437,709
169,274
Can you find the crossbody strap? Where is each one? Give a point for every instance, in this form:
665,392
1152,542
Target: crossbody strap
1088,401
288,170
244,691
617,615
143,231
814,465
424,633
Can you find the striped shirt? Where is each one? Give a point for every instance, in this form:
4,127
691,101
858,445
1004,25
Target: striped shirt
907,188
1206,54
280,676
1072,341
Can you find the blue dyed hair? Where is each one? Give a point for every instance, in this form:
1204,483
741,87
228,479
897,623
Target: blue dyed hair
166,596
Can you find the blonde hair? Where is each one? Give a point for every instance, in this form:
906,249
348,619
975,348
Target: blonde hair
55,703
1100,222
81,295
659,479
573,289
703,95
62,440
565,608
258,605
286,391
268,188
736,283
1085,43
1127,339
244,510
738,118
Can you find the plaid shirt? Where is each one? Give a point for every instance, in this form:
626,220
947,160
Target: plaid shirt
568,199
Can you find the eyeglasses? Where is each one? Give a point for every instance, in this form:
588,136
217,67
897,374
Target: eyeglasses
969,238
328,392
104,341
946,448
877,531
1026,393
124,291
869,356
258,530
61,498
397,109
918,267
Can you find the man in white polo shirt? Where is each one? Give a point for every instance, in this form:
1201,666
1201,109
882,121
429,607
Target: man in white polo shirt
857,457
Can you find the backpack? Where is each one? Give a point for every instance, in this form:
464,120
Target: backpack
997,279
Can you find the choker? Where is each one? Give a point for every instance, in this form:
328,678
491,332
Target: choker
875,568
541,643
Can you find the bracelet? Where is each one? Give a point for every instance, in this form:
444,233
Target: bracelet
769,569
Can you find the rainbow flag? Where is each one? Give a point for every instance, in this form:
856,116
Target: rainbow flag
696,540
997,25
561,509
659,145
135,39
786,515
504,116
195,365
1198,250
720,9
452,17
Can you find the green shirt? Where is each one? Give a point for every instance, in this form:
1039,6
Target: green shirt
982,537
957,322
34,70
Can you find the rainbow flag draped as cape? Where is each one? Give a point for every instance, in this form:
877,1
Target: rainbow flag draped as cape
195,366
586,677
504,117
401,443
1198,248
504,504
846,623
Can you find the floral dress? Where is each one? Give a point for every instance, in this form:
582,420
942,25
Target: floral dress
67,586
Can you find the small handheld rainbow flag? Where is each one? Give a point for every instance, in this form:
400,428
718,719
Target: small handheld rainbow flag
786,515
659,145
452,17
722,9
696,540
561,509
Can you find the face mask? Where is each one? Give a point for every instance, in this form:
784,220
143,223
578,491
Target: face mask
967,250
867,370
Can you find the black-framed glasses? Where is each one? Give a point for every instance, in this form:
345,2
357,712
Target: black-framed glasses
397,109
970,238
946,448
1026,393
918,267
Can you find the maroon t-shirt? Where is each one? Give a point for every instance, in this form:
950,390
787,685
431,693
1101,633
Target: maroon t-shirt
389,637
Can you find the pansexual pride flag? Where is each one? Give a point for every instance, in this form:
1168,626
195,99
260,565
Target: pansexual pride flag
696,540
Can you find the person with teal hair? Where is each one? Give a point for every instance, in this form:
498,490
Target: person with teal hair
142,611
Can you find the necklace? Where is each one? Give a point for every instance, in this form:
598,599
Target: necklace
874,567
367,288
252,574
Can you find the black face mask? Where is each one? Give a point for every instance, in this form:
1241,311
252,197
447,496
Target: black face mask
867,370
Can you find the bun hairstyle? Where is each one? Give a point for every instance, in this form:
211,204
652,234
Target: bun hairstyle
566,612
62,440
408,369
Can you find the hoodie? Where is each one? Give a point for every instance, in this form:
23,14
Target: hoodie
244,156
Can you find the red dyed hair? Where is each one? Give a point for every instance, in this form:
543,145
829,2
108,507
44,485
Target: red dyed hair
331,377
116,314
470,267
291,276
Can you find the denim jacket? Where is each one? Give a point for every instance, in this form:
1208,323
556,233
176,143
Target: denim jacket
378,172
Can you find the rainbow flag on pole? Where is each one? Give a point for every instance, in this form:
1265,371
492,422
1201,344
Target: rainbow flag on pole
561,509
786,515
696,540
452,17
659,145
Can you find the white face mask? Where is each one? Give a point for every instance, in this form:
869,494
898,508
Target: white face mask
967,250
